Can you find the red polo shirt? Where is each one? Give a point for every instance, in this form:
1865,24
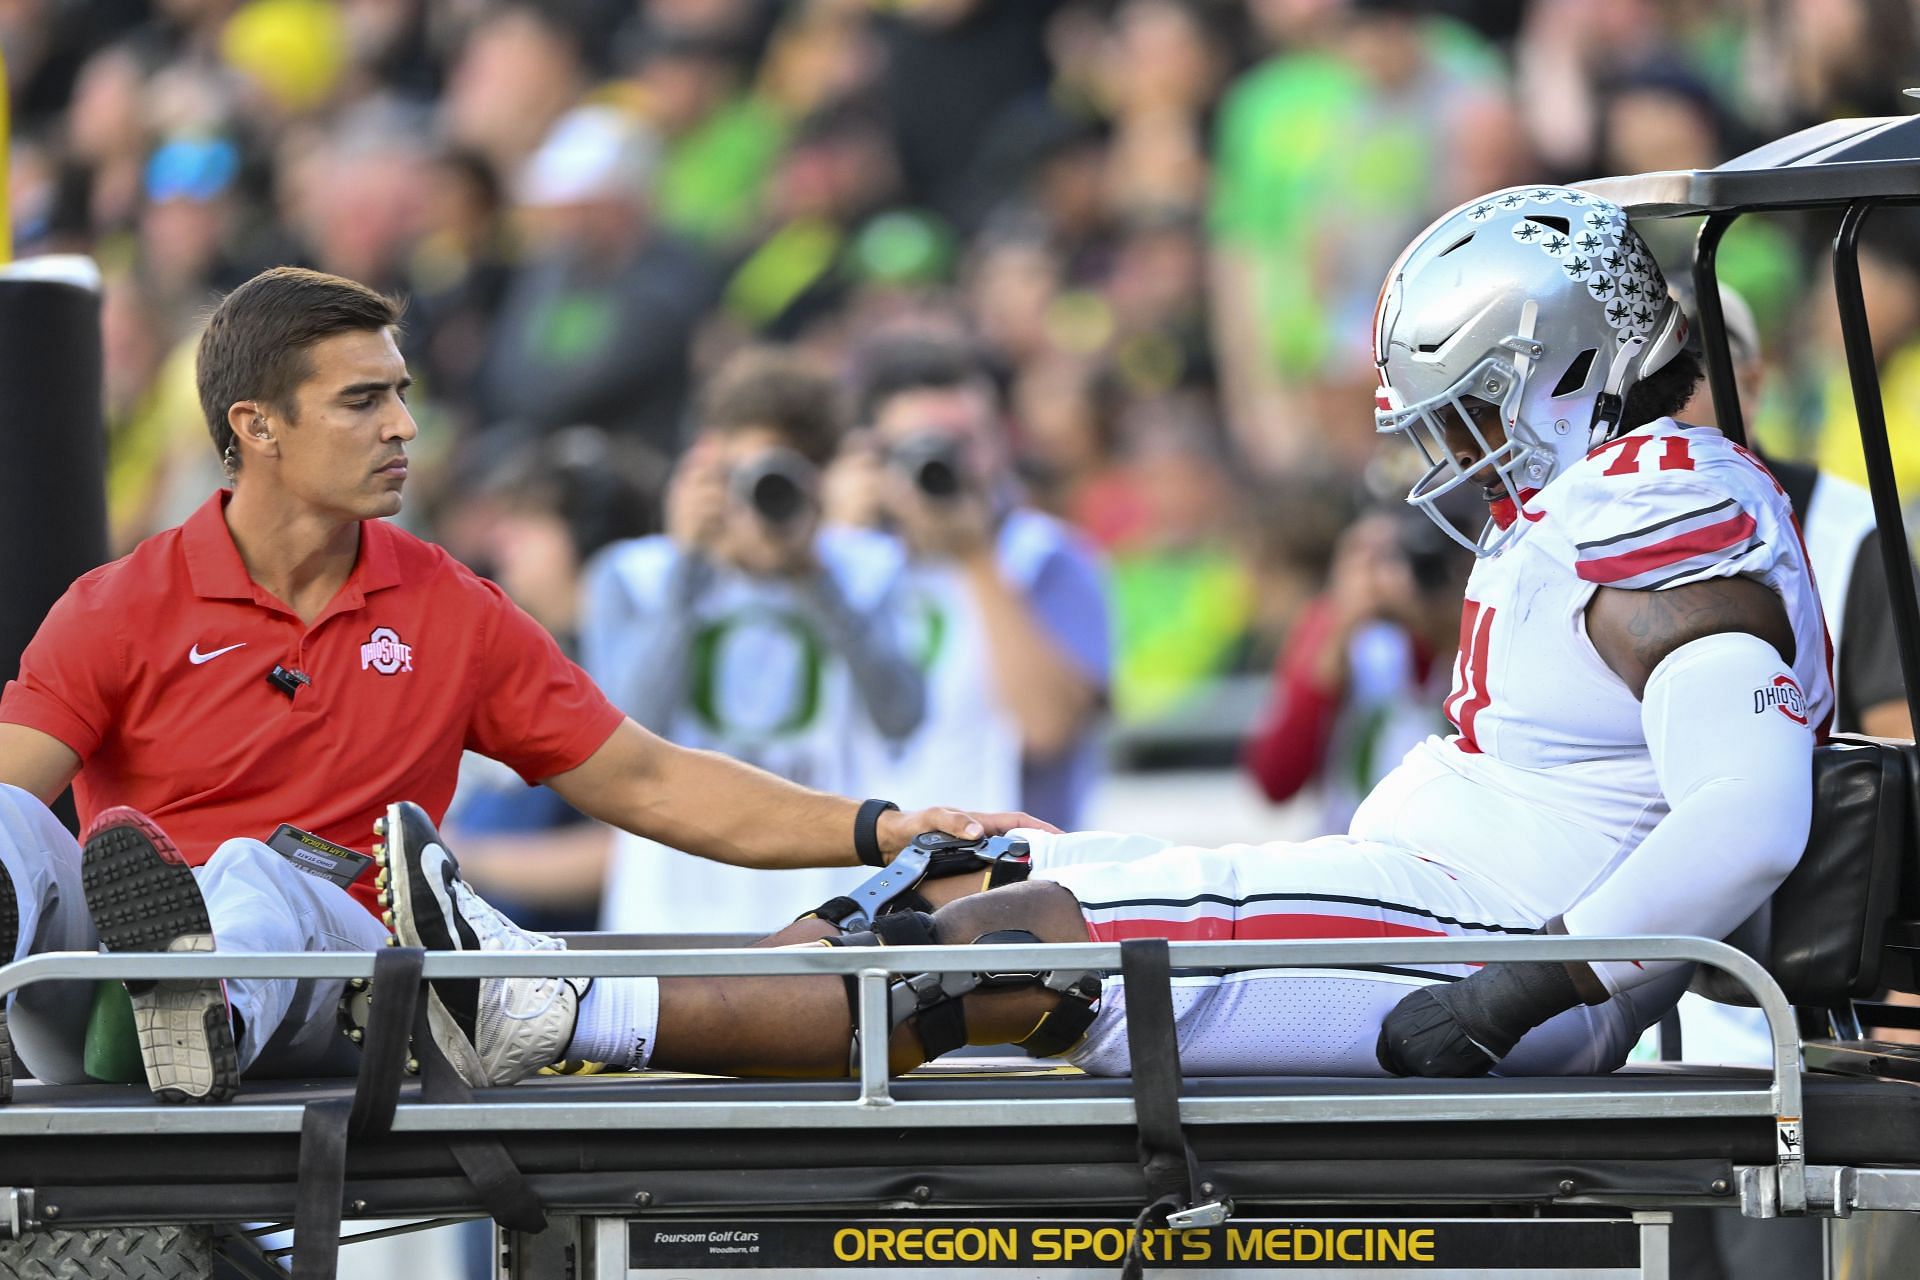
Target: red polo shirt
153,669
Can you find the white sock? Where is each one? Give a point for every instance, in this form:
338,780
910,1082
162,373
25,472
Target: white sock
617,1023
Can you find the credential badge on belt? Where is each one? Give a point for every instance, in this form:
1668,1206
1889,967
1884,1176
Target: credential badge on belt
318,857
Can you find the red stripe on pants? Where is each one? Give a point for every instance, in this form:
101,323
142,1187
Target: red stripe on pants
1220,929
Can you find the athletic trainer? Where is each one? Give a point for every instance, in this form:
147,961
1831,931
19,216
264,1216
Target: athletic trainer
262,681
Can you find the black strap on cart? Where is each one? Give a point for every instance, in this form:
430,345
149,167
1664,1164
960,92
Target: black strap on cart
396,1032
1183,1194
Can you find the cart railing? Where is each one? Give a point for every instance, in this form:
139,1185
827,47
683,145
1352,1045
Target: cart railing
875,1106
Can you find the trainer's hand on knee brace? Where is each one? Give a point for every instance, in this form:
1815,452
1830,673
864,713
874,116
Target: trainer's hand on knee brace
896,831
1462,1028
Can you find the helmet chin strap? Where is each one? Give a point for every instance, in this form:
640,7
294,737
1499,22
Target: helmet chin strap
1525,351
1609,405
1523,354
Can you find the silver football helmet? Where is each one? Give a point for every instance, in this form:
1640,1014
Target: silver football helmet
1540,302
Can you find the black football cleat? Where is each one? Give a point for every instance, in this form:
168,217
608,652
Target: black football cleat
493,1030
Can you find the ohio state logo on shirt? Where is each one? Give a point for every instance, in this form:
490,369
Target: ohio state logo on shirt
385,653
1784,696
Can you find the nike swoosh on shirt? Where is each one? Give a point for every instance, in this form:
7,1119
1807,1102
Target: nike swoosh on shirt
196,657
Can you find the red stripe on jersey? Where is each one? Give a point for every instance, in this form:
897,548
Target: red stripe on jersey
1669,551
1277,925
1473,696
1754,458
1469,617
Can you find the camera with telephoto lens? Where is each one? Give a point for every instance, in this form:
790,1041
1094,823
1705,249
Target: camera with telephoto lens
1433,559
936,463
779,486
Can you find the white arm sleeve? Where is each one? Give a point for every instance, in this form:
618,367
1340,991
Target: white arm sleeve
1734,756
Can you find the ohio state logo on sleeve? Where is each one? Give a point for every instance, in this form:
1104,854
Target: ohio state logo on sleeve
1784,696
385,652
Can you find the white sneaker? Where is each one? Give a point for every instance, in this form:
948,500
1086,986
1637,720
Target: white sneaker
143,897
493,1030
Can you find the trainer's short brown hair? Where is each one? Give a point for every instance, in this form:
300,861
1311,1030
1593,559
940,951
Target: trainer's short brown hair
255,345
775,390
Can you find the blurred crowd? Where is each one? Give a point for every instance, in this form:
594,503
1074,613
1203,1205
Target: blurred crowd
1118,258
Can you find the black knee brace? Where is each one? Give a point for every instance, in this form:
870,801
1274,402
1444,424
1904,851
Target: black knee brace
931,856
933,1000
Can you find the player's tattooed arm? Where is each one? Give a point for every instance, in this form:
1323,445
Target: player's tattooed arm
1634,630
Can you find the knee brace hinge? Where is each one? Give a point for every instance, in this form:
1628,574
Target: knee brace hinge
933,1000
931,856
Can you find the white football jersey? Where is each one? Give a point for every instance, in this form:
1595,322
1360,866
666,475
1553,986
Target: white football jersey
1542,720
763,685
966,751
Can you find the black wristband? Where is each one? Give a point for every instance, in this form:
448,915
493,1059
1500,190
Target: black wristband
866,831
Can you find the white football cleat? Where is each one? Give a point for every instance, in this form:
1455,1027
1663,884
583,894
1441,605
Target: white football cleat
493,1030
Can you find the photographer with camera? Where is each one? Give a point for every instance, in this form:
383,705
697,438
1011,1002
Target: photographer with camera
1005,607
748,629
1362,676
